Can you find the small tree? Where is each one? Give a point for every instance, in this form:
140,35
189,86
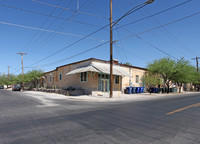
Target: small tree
165,67
151,80
33,76
3,79
184,73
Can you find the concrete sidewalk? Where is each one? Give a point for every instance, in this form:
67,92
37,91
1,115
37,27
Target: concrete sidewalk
128,97
105,97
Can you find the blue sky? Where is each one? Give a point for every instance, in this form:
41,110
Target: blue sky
30,26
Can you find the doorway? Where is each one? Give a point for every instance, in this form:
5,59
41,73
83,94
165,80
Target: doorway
105,85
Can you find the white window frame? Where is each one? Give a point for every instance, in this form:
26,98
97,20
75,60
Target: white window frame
59,76
83,78
50,79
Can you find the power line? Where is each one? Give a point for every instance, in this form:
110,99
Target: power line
162,30
42,14
129,52
59,28
123,49
86,13
115,22
148,42
154,14
162,25
46,30
15,68
36,40
75,54
153,46
156,48
54,22
42,25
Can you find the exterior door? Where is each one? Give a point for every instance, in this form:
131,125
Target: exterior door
105,85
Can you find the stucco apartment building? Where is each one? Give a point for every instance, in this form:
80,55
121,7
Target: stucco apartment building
92,75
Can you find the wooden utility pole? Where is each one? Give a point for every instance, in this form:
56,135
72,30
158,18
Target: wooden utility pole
8,72
22,67
197,62
111,52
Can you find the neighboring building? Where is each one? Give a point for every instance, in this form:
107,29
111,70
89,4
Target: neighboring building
92,75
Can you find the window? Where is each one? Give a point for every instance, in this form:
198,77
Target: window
83,77
60,76
137,79
50,79
116,79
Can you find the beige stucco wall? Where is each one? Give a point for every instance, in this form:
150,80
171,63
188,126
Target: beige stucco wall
127,81
92,83
47,83
73,79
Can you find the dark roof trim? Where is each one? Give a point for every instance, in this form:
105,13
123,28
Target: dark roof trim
49,71
94,59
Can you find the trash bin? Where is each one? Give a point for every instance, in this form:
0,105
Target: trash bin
163,90
128,90
142,89
137,90
133,90
159,90
152,90
156,90
174,89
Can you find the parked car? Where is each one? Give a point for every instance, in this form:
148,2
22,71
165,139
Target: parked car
16,88
2,87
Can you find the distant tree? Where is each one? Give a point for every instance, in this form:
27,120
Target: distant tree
184,73
3,79
151,80
165,67
127,63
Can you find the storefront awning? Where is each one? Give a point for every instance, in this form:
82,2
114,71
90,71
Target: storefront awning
100,68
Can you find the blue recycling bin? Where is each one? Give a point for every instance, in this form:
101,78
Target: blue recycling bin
142,89
137,90
133,90
128,90
156,90
152,90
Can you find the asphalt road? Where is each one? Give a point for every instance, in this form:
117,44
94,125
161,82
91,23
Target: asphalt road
25,120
